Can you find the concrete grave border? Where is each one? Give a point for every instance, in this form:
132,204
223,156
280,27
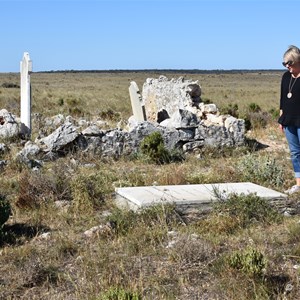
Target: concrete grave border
193,195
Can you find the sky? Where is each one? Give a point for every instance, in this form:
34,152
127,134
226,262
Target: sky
147,34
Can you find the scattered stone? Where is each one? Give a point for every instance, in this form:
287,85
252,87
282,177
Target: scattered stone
9,127
42,237
61,140
3,148
105,230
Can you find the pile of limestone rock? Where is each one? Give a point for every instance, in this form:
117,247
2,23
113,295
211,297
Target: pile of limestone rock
172,107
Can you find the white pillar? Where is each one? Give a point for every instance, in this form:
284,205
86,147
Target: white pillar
25,69
137,104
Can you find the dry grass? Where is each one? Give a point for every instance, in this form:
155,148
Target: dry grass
158,254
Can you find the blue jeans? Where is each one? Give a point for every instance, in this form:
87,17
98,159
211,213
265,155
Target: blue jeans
292,134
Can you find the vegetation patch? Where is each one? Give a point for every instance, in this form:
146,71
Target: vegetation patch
119,293
262,169
251,261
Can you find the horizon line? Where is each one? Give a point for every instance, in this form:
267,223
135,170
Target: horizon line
151,70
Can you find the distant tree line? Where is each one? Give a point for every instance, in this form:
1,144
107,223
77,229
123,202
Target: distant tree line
188,71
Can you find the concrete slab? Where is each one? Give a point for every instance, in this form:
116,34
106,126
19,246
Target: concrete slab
192,195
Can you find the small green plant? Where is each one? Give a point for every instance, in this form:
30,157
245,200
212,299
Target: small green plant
253,107
294,233
60,101
261,169
37,188
123,220
88,190
152,147
120,294
274,113
250,261
247,210
126,220
255,118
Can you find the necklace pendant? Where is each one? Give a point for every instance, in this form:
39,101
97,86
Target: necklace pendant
289,95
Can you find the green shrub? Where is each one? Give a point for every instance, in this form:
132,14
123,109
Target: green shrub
120,294
60,101
257,120
274,113
249,261
253,107
247,210
261,169
294,234
157,215
37,188
89,190
163,215
123,220
153,148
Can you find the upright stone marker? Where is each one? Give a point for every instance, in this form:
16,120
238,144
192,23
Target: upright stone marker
138,107
25,69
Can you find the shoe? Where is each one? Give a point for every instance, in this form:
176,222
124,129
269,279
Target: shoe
293,189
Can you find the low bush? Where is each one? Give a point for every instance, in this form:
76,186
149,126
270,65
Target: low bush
257,120
89,190
261,169
153,149
117,293
250,261
247,210
36,188
124,221
254,107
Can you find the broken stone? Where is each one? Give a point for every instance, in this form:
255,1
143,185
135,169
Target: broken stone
9,127
163,95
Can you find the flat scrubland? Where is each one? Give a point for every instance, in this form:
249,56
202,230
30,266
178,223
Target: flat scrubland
243,249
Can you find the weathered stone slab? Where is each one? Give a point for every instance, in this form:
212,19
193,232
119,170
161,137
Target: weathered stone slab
193,195
137,104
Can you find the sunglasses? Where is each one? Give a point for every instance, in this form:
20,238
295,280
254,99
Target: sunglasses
288,63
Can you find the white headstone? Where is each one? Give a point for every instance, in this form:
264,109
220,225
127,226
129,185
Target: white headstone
25,69
138,107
